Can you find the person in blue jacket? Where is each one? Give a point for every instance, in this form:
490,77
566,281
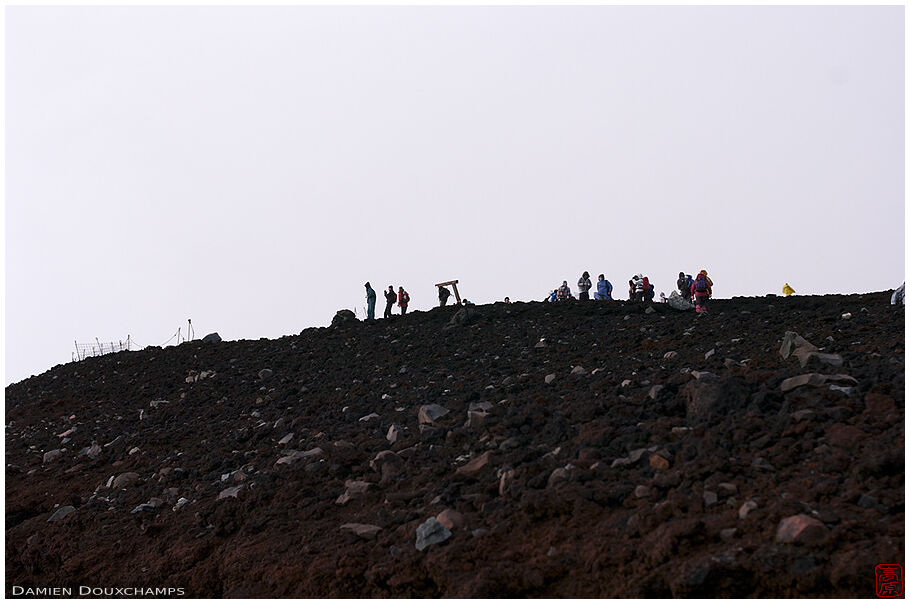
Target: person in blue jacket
604,289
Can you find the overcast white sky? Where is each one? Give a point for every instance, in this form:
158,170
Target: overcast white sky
251,168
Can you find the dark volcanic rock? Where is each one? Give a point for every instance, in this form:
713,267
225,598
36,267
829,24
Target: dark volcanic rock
602,485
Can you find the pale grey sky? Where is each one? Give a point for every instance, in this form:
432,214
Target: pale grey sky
251,168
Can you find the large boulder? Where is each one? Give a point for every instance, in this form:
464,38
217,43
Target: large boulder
212,338
465,316
712,396
678,302
344,317
793,342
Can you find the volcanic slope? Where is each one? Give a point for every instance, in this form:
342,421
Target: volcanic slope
577,457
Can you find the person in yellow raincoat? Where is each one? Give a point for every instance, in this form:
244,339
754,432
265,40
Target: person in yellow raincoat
788,290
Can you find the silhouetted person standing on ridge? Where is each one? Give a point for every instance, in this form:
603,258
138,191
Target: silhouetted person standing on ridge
371,301
403,299
584,284
444,294
390,298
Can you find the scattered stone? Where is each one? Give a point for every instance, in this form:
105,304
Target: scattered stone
474,467
659,463
94,451
354,488
61,513
728,534
505,481
52,455
180,503
431,532
710,498
364,531
143,507
677,430
728,488
558,475
703,375
367,418
550,378
127,479
134,450
747,507
476,420
541,344
265,374
229,492
626,383
428,414
814,379
388,463
708,397
814,359
116,441
671,355
579,370
847,316
642,491
654,392
800,529
393,434
286,439
848,390
709,354
450,519
294,456
803,414
793,342
730,363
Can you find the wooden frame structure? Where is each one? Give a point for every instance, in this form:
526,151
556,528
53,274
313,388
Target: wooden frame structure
454,285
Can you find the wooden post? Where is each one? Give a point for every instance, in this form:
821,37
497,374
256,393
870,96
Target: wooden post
454,285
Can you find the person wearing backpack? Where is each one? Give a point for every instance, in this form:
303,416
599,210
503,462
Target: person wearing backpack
371,301
403,299
701,291
563,293
390,298
638,284
647,290
684,285
444,294
584,285
604,289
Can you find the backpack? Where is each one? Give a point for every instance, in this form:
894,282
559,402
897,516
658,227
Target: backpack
701,284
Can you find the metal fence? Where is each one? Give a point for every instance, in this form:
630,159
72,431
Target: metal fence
98,348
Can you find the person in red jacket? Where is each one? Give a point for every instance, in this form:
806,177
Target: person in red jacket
403,299
701,291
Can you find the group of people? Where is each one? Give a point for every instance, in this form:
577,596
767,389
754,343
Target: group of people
391,298
604,290
695,290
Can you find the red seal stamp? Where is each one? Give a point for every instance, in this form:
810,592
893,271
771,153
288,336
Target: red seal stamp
889,580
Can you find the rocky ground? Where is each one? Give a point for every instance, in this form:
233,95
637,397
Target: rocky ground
525,450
